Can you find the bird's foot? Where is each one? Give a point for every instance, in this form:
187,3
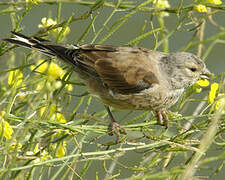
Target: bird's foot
162,115
114,128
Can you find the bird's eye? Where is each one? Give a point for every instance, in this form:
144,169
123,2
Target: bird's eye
193,69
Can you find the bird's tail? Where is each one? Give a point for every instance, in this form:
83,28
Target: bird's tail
45,47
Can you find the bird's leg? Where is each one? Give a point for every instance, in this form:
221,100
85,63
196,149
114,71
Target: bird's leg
166,120
160,115
114,127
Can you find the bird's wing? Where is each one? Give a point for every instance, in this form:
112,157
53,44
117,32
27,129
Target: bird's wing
123,69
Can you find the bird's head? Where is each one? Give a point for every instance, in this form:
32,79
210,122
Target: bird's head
184,69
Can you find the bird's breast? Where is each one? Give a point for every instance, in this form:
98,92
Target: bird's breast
152,98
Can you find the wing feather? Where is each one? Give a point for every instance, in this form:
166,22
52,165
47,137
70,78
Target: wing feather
122,69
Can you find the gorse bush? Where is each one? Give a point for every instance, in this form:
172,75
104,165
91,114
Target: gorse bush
52,128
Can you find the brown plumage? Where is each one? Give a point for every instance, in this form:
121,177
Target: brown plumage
126,77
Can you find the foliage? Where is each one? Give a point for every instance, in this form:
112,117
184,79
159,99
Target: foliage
49,130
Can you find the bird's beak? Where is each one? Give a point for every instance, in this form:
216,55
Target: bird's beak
206,74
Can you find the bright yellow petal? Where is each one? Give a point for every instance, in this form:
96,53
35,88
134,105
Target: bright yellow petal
2,113
53,109
15,146
44,155
51,22
42,110
198,90
217,2
212,93
44,20
6,129
200,8
161,4
51,112
60,118
15,77
36,148
69,87
54,71
33,1
61,151
43,67
203,83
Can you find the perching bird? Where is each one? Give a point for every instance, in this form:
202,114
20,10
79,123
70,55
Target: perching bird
126,77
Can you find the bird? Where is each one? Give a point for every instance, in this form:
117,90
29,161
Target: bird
125,77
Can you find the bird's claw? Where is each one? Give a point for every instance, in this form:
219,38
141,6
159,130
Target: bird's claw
162,115
115,128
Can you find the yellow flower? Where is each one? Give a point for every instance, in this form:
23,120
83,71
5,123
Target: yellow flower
196,87
36,148
52,110
221,101
52,114
61,150
50,22
212,93
5,128
203,83
198,90
69,87
42,110
40,85
57,84
2,113
54,71
45,155
47,22
200,8
42,66
217,2
15,77
33,1
161,4
16,146
60,118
